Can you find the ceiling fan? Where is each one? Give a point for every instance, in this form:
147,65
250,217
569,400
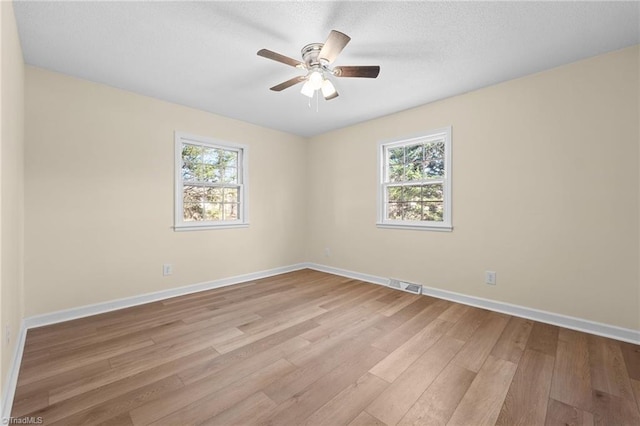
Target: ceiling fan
317,59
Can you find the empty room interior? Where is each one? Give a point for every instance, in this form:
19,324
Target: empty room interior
306,213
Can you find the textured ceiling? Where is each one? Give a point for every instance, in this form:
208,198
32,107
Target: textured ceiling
203,54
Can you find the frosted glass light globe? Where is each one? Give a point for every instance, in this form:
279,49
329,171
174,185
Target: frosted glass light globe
316,80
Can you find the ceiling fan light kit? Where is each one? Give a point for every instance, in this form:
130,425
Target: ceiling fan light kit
317,59
316,80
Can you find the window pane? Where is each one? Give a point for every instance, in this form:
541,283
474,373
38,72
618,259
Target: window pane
412,211
434,151
228,159
213,211
192,194
231,195
434,169
213,195
210,173
433,192
412,193
395,170
231,211
189,171
413,172
230,175
199,172
433,211
210,155
413,153
434,160
394,193
394,211
396,155
413,162
192,212
191,153
396,173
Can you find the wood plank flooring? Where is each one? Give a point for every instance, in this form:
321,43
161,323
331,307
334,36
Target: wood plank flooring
309,348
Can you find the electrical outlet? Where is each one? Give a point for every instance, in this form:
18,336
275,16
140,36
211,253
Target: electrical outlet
327,252
490,277
167,269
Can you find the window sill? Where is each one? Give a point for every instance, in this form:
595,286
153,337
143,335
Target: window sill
442,228
183,228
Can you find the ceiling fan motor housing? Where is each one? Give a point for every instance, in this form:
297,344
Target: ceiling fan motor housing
310,55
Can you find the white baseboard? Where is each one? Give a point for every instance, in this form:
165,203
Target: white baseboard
12,375
579,324
100,308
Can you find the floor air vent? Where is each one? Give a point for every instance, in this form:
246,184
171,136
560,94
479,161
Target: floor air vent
402,285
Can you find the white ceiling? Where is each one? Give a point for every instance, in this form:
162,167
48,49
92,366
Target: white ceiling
203,54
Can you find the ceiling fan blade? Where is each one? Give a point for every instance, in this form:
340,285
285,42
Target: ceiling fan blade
333,46
265,53
289,83
357,71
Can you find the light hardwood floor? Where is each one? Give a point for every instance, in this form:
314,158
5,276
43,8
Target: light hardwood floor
308,348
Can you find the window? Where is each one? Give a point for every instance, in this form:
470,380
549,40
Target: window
415,182
211,183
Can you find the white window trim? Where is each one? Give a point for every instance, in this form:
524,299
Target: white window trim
446,224
179,223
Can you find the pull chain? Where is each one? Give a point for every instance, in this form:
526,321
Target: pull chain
317,96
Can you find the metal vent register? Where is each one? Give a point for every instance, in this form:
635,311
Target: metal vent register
405,286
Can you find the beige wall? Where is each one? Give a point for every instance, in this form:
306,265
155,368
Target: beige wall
12,184
546,189
99,196
545,192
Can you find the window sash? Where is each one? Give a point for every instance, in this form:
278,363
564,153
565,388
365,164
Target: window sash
221,203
